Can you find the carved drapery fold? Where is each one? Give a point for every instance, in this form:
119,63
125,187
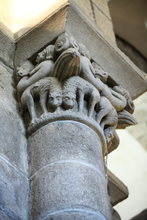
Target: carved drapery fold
66,83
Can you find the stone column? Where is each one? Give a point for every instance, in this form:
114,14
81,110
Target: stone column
71,106
71,113
68,180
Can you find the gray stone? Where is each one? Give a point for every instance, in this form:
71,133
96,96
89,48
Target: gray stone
13,145
68,185
65,78
41,36
13,192
61,141
67,171
103,52
76,214
7,46
116,63
7,90
4,216
117,189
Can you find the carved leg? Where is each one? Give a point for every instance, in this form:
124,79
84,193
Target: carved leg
43,102
28,100
87,73
103,111
94,99
80,100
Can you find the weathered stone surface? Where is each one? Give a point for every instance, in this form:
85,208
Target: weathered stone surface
107,55
117,189
65,78
104,53
7,86
13,193
61,141
132,53
7,46
104,23
13,142
67,172
85,7
68,185
40,36
4,216
76,214
103,6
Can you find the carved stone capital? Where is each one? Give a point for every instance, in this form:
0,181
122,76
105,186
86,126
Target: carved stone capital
67,84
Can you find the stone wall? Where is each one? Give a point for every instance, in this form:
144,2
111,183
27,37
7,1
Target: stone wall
13,159
98,12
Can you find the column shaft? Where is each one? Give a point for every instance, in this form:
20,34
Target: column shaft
67,174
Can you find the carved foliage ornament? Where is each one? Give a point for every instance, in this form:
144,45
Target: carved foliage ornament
65,79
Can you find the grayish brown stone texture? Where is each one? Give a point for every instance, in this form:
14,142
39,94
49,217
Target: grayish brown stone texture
71,108
14,183
60,110
65,78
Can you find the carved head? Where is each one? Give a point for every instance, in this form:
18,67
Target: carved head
68,100
100,73
63,42
55,99
46,54
24,69
40,57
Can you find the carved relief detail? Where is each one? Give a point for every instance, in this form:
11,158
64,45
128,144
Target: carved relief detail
66,79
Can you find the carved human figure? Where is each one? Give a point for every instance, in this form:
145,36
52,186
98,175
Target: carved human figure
82,67
46,88
100,73
87,72
31,75
82,79
107,117
63,42
68,60
22,73
76,88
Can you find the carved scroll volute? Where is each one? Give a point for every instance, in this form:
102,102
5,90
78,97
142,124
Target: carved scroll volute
65,81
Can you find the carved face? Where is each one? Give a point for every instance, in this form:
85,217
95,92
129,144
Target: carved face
24,69
62,43
55,99
69,100
40,57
